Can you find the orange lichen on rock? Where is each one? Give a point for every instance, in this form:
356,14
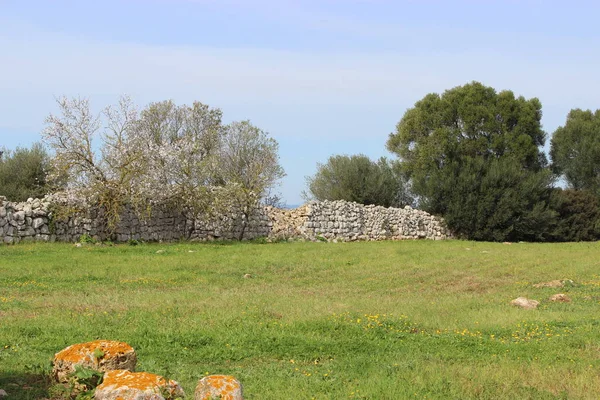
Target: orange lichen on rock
121,384
224,387
102,355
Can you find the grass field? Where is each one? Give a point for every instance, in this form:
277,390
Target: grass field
386,320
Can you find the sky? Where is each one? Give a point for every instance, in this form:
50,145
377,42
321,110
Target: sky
322,77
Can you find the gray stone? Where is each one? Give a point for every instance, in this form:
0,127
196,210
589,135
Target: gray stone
19,216
38,222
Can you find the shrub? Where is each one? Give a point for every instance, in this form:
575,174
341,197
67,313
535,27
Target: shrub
578,216
23,172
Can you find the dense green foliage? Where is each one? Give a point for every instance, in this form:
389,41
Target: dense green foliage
496,200
23,172
473,155
357,178
371,320
575,150
577,216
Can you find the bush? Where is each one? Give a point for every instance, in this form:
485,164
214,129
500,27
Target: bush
496,201
356,178
578,216
23,172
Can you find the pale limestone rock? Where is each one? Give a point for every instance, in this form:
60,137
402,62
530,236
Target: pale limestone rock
525,303
218,387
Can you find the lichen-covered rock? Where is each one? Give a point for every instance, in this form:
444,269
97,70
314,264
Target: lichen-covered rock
561,298
525,303
126,385
222,387
101,355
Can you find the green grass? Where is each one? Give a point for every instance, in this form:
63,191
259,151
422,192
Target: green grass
387,320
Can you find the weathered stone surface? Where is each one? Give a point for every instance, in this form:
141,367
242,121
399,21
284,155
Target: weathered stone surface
560,297
223,387
3,393
333,221
551,284
525,303
38,222
125,385
101,355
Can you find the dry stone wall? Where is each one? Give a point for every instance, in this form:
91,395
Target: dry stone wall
347,221
34,220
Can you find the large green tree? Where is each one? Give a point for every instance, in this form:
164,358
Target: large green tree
473,155
23,172
575,150
357,178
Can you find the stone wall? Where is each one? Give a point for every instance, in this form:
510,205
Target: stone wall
346,221
34,220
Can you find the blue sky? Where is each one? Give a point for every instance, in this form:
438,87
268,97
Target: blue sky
322,77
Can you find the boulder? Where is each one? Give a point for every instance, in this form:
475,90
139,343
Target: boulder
525,303
101,355
218,387
123,384
560,297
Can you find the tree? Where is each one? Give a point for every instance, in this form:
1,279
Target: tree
181,147
357,178
473,155
575,150
105,179
249,165
163,155
181,157
578,216
23,172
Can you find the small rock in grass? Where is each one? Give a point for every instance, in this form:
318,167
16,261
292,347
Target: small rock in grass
101,355
78,245
122,384
560,297
247,276
3,393
218,387
159,251
551,284
525,303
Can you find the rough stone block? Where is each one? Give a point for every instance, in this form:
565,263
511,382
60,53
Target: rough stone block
101,355
123,384
218,387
